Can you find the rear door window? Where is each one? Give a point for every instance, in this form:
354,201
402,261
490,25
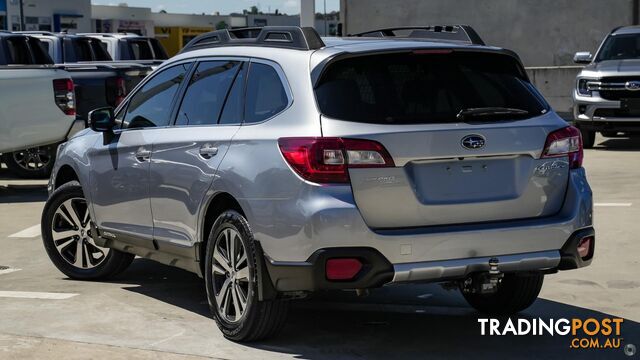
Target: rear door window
265,94
423,87
233,112
208,89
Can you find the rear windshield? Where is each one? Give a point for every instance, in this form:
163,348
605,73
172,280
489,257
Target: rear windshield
423,88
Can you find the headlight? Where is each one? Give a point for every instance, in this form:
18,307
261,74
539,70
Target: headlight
583,88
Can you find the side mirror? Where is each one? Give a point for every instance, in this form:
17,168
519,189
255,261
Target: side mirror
102,119
582,57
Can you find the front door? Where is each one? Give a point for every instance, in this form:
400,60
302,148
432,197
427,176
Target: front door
120,167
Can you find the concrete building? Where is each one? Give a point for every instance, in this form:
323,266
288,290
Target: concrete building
542,32
46,15
545,33
131,19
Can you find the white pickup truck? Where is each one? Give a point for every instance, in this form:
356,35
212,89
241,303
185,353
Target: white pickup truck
37,106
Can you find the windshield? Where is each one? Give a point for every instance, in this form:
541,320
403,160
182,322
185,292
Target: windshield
620,47
426,87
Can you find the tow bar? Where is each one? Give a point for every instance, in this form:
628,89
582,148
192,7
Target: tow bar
484,282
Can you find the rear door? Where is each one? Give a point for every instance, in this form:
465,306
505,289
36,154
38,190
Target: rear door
186,157
449,169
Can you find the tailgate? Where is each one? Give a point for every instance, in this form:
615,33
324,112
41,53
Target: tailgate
29,115
465,128
102,84
436,181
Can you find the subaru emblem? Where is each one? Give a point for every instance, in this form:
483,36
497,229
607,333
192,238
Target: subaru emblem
633,85
473,142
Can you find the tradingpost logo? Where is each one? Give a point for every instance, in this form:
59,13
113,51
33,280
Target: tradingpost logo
590,333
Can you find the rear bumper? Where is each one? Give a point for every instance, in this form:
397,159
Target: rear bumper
327,217
378,271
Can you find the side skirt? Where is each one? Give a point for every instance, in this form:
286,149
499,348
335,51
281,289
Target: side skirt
165,253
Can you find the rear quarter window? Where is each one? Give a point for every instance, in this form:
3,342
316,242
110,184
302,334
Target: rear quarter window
265,93
415,88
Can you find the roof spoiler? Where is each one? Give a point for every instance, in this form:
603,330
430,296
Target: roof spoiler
288,37
458,33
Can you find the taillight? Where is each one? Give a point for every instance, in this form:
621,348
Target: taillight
565,142
64,96
327,160
121,90
116,90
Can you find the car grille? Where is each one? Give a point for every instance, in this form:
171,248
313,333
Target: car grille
613,88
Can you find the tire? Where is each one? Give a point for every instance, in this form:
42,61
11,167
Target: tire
515,293
588,138
229,282
32,163
609,134
66,230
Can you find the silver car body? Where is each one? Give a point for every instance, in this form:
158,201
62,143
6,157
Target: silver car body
157,208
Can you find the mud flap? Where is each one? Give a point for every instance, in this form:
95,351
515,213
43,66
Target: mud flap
266,290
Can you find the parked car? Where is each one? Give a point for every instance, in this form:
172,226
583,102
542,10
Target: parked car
99,81
132,47
281,164
38,106
607,93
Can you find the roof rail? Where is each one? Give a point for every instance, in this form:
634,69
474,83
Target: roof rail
288,37
461,33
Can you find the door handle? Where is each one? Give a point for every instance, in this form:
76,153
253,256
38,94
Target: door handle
208,151
143,154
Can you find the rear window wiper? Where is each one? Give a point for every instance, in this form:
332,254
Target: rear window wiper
489,112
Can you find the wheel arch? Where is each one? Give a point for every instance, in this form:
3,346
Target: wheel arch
217,205
65,174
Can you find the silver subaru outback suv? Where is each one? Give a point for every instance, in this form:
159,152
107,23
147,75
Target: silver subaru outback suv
274,163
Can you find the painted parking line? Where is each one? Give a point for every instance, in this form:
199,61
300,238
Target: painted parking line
36,295
28,232
613,204
7,271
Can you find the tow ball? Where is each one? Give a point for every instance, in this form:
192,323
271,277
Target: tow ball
484,282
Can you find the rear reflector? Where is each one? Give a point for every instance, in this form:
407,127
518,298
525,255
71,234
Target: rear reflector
327,160
64,95
584,246
342,269
565,142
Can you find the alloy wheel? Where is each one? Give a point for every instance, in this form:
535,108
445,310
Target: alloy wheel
230,269
32,159
72,237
